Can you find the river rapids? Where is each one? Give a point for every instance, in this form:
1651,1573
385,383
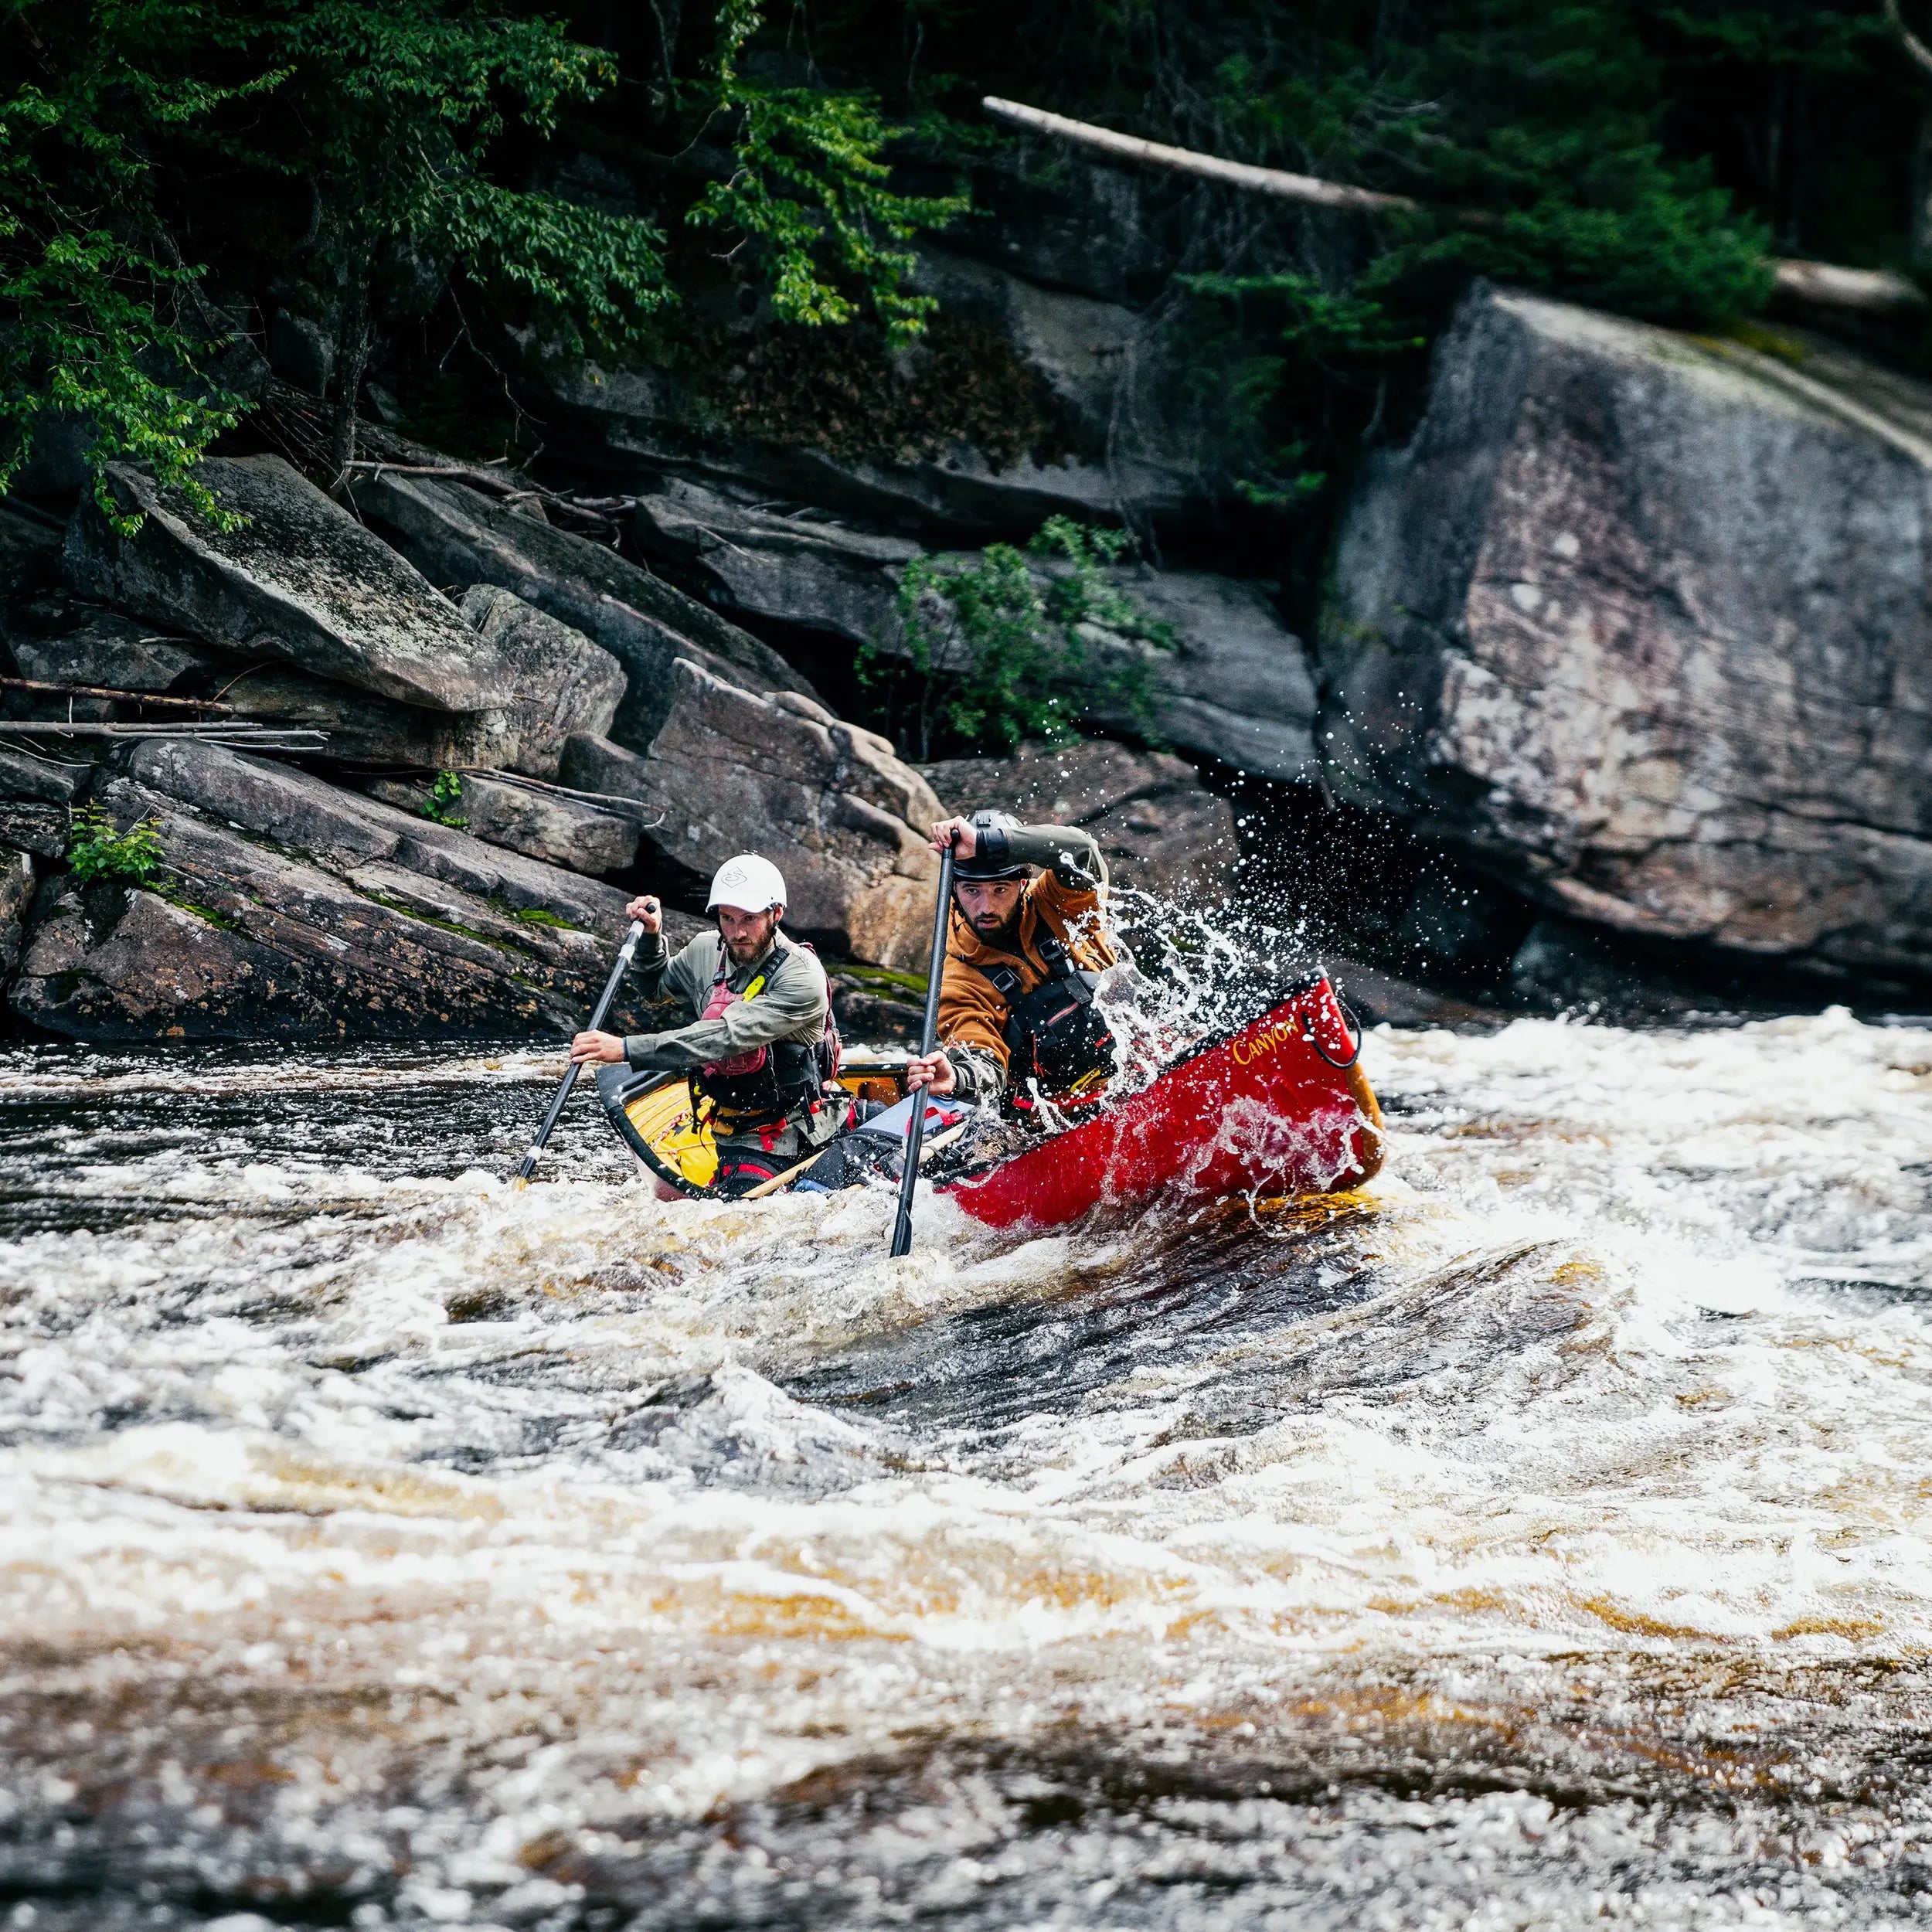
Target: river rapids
1542,1537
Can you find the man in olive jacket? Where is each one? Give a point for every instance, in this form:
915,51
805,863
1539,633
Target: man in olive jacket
757,1041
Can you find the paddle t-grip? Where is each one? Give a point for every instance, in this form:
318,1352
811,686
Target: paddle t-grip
916,1131
625,956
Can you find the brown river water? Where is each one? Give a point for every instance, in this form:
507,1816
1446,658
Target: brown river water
1542,1537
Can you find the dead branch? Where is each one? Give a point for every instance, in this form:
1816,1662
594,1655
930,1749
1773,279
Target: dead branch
1818,284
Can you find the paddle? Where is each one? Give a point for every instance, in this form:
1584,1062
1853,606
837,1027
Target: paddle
902,1227
528,1167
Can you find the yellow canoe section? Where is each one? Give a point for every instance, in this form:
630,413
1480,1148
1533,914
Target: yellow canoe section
676,1131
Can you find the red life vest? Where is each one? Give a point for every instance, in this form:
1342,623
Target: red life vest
767,1083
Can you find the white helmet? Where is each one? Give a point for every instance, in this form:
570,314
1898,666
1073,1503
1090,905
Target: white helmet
751,884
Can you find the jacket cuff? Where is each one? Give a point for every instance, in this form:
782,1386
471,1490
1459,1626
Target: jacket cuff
636,1046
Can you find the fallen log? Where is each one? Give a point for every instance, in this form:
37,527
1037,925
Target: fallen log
1866,291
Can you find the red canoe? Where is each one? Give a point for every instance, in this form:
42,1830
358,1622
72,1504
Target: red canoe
1278,1106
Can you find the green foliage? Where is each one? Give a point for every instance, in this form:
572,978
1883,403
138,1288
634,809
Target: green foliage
99,319
1529,133
996,649
97,850
808,192
395,107
441,801
392,118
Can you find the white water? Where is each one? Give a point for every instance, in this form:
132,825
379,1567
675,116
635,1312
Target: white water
1541,1539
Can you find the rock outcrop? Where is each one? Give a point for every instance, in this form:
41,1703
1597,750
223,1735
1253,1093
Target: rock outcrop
291,909
1161,830
458,537
731,771
1639,623
546,824
300,581
1124,443
562,683
1237,687
806,570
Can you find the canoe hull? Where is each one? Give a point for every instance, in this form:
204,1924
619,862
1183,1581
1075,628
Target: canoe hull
1276,1107
1261,1112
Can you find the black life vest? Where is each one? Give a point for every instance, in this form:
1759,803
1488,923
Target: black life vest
1059,1045
761,1087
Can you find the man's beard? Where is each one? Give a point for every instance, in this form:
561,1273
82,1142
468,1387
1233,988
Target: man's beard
996,925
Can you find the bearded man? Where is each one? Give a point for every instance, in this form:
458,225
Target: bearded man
759,1044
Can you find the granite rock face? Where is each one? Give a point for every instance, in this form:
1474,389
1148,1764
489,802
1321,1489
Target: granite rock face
295,910
809,571
1640,624
1127,443
300,582
564,683
550,825
1237,687
1161,830
732,771
458,537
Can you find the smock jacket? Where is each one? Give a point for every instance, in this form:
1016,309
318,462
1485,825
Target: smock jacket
789,1004
1061,906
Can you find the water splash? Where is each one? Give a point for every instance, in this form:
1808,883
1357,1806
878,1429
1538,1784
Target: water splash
1539,1536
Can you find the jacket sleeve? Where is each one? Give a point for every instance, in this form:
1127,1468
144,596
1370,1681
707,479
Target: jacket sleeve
791,1006
647,967
1068,852
972,1017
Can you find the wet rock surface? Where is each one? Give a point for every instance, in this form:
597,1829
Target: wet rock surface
301,581
1640,624
290,908
731,771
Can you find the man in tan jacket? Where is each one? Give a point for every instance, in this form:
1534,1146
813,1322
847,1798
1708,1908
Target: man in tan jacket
1024,950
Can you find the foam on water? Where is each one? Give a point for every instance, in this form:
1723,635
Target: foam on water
1541,1535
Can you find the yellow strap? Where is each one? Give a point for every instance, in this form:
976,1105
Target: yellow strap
756,986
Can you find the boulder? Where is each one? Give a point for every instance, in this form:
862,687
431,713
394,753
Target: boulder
315,821
547,824
1236,688
1162,831
33,775
16,893
293,910
363,729
29,825
731,771
1639,622
60,640
457,536
300,580
804,571
564,684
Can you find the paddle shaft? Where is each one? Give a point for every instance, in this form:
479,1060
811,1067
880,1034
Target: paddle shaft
916,1132
610,986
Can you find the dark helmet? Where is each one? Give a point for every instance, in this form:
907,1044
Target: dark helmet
991,858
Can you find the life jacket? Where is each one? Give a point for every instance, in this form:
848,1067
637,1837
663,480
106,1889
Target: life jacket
1059,1045
761,1087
